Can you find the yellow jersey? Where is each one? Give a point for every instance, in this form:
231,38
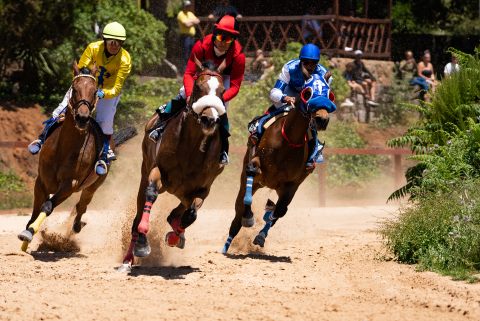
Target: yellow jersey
112,72
182,18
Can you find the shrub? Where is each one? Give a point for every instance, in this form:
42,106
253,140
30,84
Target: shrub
441,232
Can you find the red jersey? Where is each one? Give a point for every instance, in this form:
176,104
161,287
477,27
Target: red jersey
234,58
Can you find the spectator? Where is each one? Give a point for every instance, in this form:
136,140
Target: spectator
408,66
451,66
348,74
332,64
186,23
225,8
258,68
311,26
425,75
364,77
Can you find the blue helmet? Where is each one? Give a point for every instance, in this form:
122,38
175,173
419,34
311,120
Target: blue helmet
310,51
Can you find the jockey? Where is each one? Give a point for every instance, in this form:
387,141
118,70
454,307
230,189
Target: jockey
291,80
114,65
218,47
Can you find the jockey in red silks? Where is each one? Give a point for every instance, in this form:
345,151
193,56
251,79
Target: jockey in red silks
217,47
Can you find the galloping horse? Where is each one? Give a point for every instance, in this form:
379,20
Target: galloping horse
184,163
68,157
279,159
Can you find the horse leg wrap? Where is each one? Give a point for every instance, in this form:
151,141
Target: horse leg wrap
247,200
144,225
269,210
174,237
188,217
36,225
129,256
266,228
227,244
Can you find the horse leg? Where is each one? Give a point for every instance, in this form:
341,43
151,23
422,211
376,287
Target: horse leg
64,191
81,207
141,200
274,212
142,248
40,197
177,237
243,210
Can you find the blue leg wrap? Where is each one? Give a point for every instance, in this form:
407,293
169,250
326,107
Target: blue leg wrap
227,244
248,194
266,228
268,217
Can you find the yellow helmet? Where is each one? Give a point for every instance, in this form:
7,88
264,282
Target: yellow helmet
114,30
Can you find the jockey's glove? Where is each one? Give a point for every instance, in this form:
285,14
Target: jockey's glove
100,94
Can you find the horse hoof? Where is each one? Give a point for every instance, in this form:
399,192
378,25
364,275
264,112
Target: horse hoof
26,236
126,267
77,226
142,251
248,222
259,240
181,241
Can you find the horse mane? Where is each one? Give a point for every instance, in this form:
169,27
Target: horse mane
85,71
210,65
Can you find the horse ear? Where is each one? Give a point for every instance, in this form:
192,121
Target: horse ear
327,76
306,74
76,70
94,69
198,64
222,66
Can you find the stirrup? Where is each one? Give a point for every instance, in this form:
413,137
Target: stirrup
223,158
102,166
38,143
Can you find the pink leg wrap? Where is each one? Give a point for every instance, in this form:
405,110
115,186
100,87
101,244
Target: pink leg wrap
143,226
129,256
177,230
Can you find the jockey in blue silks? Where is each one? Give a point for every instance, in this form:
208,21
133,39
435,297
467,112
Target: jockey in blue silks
291,81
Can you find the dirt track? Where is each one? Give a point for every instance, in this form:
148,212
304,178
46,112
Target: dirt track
317,264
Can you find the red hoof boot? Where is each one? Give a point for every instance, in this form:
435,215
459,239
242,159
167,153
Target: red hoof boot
177,237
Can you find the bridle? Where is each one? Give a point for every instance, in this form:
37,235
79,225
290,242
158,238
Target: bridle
189,106
91,106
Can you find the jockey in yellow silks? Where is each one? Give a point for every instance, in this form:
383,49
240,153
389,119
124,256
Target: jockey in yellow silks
114,65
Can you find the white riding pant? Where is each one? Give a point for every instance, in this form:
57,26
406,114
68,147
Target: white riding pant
106,109
226,84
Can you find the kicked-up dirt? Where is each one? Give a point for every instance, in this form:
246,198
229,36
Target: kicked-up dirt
317,264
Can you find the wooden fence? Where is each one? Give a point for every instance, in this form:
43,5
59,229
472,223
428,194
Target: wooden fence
332,33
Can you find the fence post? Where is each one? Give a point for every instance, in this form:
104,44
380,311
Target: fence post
398,170
322,182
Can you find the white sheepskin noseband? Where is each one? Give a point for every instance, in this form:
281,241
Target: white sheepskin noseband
211,100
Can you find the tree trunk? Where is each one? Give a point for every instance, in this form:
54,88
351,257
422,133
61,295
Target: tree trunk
158,8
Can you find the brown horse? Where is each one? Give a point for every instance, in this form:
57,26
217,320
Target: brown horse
68,157
185,164
279,160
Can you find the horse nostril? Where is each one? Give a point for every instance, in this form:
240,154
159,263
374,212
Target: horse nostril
204,120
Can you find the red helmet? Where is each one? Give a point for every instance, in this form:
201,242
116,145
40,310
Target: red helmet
227,25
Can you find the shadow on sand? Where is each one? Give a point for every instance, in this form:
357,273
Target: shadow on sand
270,258
56,256
167,272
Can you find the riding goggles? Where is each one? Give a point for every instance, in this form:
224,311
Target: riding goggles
307,62
223,38
114,42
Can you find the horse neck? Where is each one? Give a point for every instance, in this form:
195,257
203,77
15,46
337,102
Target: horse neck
296,126
69,129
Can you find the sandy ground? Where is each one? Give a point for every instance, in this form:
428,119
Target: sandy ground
318,263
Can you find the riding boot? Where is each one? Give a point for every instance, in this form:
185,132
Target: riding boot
157,131
311,149
224,134
101,166
37,144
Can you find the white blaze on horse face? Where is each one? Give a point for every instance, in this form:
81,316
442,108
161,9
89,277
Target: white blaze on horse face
210,100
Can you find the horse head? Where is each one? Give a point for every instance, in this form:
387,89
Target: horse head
315,99
207,95
84,94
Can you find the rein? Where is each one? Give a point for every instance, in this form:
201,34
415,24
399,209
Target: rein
286,138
